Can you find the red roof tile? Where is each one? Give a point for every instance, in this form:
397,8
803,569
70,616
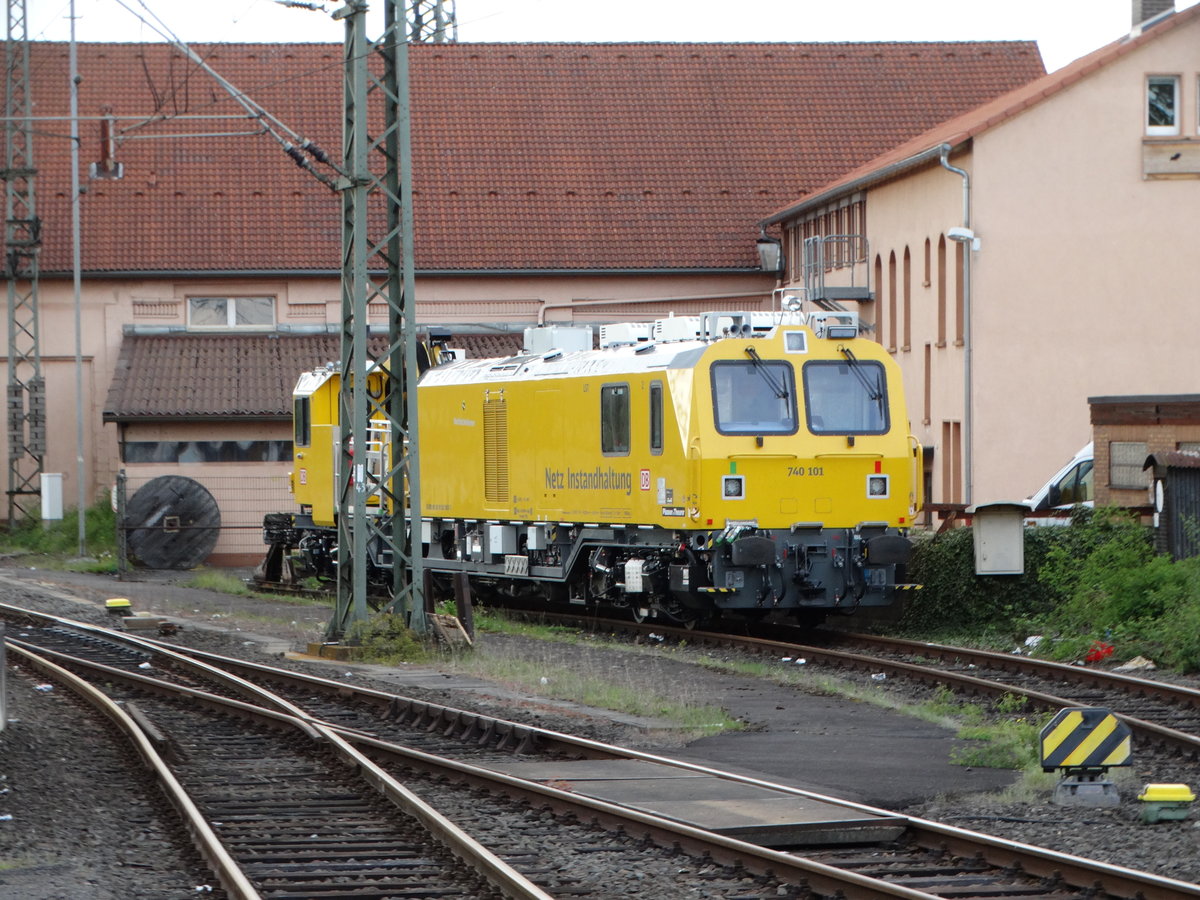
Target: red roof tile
959,129
186,376
526,156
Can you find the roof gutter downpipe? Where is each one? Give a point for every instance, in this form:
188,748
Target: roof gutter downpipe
968,405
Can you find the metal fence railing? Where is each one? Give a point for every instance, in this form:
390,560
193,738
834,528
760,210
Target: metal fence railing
178,518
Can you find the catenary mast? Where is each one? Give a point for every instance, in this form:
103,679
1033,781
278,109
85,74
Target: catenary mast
378,270
26,404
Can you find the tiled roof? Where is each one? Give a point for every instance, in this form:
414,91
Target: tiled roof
960,129
188,376
526,156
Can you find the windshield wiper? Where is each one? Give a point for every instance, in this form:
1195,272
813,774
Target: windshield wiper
780,390
874,391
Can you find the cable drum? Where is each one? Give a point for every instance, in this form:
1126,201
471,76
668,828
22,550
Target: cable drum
172,522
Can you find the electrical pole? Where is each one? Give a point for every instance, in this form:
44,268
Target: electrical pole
379,270
22,245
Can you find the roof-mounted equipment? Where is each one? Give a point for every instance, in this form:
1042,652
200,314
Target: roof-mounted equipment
834,326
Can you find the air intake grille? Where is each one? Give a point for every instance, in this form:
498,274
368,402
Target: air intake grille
495,449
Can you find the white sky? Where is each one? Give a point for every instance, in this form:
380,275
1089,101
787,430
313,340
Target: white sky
1064,29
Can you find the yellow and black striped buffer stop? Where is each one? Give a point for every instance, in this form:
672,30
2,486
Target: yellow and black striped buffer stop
1085,738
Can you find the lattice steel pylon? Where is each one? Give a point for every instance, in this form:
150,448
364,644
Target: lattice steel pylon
378,270
22,243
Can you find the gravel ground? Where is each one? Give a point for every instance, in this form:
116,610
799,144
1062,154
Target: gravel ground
91,847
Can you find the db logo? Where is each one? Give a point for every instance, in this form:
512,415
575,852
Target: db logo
645,479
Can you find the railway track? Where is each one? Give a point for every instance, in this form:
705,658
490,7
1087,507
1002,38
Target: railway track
454,765
1158,713
1155,710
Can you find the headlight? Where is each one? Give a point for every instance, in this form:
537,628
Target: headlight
878,486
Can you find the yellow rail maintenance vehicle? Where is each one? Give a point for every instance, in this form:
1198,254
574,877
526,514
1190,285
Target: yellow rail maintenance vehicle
745,463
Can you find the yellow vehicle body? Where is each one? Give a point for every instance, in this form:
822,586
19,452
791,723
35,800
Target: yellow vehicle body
742,462
316,443
520,440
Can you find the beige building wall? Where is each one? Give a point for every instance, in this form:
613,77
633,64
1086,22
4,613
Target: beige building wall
1085,279
1084,283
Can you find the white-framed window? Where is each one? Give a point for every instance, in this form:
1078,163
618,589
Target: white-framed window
1162,104
1197,95
231,312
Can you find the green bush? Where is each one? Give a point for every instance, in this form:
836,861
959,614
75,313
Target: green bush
1124,595
62,537
1096,581
953,596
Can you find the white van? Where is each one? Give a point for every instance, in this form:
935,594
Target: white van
1071,486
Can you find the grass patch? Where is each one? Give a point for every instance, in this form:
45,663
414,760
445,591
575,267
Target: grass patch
498,622
61,537
1007,744
224,583
211,580
385,639
542,678
103,565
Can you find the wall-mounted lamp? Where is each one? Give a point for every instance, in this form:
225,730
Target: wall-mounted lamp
963,236
770,252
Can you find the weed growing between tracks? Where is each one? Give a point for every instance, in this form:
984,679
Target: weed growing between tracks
996,735
546,675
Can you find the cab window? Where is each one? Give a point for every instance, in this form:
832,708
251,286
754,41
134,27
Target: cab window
1076,485
301,421
754,396
846,397
614,419
656,417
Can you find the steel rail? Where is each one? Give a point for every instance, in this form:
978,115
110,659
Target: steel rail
1010,662
219,860
497,872
1180,741
731,850
997,851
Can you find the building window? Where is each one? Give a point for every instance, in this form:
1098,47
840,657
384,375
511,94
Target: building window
892,302
951,462
614,419
231,312
928,400
1162,104
907,345
941,290
205,451
879,303
839,231
1125,461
